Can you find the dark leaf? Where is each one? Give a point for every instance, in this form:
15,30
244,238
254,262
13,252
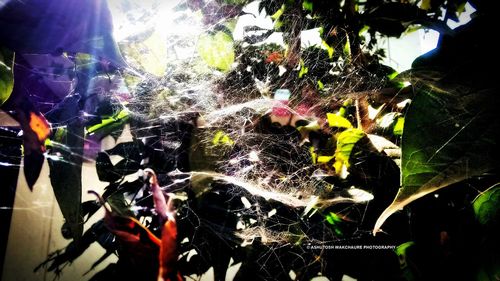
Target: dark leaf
105,169
59,114
127,167
127,150
32,166
65,176
10,159
89,208
450,135
392,19
214,12
126,187
111,272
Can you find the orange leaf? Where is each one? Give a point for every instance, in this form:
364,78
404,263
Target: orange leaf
168,249
168,252
40,126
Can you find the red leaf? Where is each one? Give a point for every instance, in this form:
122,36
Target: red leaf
138,247
168,252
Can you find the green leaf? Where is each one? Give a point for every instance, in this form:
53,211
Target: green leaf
393,75
230,24
303,69
278,13
335,120
321,86
450,135
6,75
345,143
406,262
486,206
108,125
307,5
333,218
398,127
314,155
217,50
363,30
347,48
336,223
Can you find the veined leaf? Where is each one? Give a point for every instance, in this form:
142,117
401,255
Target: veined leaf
450,135
217,51
486,206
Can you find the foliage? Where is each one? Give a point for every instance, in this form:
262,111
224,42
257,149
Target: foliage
270,182
217,50
6,76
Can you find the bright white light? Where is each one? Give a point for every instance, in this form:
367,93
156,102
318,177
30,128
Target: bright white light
464,17
253,156
253,17
135,17
360,195
428,40
245,202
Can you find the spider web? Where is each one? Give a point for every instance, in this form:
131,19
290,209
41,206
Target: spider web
258,167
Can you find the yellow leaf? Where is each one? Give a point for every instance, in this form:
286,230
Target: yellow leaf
324,159
335,120
345,143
